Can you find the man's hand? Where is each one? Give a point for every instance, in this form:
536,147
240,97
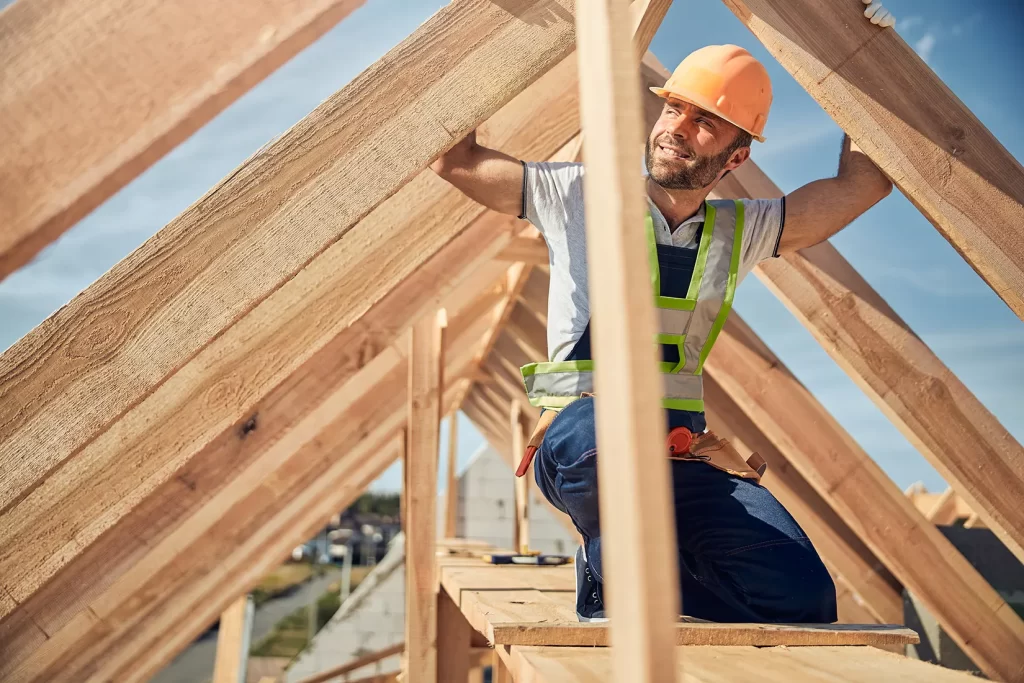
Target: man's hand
485,175
822,208
878,14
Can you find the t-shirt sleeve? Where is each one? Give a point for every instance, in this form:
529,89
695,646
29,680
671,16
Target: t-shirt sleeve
552,191
763,221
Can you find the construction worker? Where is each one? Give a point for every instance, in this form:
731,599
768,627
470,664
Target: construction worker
742,557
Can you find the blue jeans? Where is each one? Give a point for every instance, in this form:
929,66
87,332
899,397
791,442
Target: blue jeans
742,557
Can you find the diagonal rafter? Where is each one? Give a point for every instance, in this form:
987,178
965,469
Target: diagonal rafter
71,141
911,125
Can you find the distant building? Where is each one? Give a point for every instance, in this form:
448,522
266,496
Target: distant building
374,615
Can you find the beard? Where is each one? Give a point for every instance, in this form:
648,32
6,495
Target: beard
694,173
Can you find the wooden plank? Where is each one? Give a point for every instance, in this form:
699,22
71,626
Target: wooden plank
521,535
640,564
536,617
568,633
483,577
722,664
90,103
911,125
897,370
425,385
148,586
292,203
974,615
356,664
232,639
835,541
452,487
453,638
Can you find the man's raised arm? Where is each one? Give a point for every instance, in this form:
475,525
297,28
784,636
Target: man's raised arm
822,208
485,175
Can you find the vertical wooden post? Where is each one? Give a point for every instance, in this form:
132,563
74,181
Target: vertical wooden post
425,385
451,490
499,672
637,522
233,642
453,640
521,538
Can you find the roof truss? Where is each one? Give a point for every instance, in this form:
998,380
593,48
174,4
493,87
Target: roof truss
284,399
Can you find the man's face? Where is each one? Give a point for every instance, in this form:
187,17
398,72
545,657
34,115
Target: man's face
688,147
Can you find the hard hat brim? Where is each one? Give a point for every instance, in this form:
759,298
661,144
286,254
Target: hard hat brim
664,94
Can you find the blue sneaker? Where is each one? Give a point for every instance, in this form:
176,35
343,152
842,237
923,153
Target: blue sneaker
589,601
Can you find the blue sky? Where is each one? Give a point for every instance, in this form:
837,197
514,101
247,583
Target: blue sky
974,48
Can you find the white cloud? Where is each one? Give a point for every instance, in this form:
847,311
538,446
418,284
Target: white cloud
910,22
925,46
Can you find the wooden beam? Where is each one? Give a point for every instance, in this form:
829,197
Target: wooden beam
835,541
425,386
911,125
897,370
637,527
528,331
521,537
529,250
356,664
91,103
233,642
452,488
974,615
295,206
453,640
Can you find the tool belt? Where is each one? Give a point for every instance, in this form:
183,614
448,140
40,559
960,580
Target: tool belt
682,444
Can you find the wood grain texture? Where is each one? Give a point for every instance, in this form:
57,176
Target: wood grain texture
838,545
356,664
910,124
638,530
453,640
139,564
720,664
915,552
521,535
452,487
211,399
69,383
425,386
897,370
227,667
34,529
96,94
529,250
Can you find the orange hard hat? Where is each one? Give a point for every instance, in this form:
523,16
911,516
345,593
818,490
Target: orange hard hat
727,81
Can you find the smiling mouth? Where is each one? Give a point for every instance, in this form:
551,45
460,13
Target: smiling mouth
674,152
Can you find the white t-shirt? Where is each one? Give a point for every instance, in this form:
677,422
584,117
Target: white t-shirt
553,202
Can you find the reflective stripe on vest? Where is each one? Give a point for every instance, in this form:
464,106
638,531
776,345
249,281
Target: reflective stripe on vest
692,324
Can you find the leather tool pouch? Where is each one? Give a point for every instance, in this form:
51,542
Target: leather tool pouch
720,454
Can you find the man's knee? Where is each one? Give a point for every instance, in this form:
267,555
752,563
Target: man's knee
567,464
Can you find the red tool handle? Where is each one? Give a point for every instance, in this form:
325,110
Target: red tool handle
524,464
